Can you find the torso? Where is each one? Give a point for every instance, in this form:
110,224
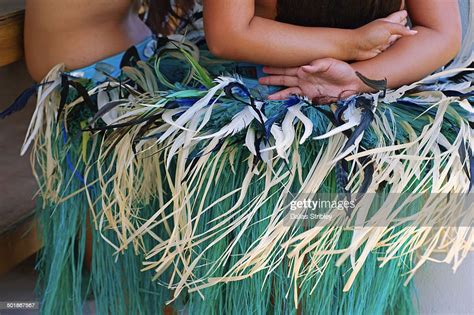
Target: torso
93,30
320,13
266,8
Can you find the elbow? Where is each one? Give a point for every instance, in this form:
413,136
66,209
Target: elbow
221,47
453,39
217,47
224,44
456,42
230,40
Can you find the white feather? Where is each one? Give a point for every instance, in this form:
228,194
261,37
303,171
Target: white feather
177,143
308,124
167,117
238,123
336,131
350,149
250,141
202,103
353,117
102,100
466,106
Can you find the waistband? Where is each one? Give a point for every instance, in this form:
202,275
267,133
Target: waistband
111,66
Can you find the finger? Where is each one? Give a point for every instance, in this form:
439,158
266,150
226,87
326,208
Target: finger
281,71
282,95
280,80
382,49
397,29
397,17
318,66
393,39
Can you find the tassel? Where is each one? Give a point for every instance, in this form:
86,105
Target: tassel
130,58
379,85
21,101
64,95
367,118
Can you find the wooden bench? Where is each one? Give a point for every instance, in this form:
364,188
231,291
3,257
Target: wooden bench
18,236
12,15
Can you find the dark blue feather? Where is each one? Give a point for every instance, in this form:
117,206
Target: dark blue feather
64,94
234,88
339,112
105,109
292,101
21,101
368,177
366,120
471,169
184,102
367,117
458,94
130,57
270,121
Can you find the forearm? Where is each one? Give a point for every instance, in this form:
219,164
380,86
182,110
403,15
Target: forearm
411,58
234,31
273,43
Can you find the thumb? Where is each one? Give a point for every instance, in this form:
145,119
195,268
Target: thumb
321,65
393,39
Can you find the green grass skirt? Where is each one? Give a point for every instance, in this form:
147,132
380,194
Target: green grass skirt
186,179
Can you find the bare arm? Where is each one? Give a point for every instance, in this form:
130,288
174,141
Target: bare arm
411,58
234,32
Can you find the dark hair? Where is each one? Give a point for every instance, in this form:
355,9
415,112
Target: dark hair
347,14
161,14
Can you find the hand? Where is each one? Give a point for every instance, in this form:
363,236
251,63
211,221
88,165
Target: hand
377,36
323,81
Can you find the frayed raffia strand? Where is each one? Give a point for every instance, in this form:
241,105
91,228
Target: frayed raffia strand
184,228
409,164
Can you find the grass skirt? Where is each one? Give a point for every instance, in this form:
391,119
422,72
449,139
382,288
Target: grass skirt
191,182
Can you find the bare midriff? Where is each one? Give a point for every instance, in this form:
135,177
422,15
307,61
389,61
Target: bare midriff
78,32
81,32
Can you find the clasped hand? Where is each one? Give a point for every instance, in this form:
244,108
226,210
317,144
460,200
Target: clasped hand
327,80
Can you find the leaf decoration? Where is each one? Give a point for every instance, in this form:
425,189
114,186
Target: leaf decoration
378,85
64,96
105,109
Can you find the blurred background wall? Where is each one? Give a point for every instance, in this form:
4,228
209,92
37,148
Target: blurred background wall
17,185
